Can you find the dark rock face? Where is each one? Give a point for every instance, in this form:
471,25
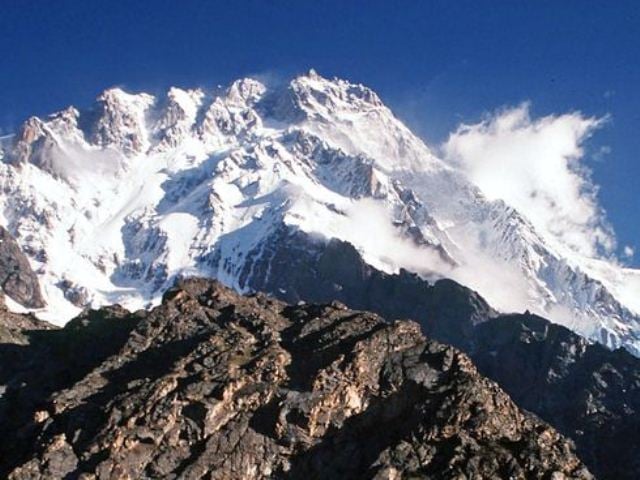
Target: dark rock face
587,392
77,295
215,385
14,327
37,358
17,354
298,268
17,279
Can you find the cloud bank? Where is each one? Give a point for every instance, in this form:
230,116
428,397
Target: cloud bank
368,225
536,166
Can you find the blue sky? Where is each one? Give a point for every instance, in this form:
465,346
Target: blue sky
435,63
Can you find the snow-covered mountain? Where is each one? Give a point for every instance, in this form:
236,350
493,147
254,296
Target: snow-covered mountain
111,204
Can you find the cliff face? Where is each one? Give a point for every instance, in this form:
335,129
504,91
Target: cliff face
587,392
215,385
17,279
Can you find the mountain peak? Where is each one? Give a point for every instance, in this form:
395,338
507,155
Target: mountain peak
313,74
248,387
139,191
336,90
121,120
116,96
246,91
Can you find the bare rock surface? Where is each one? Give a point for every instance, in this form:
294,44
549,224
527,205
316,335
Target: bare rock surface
14,327
215,385
17,279
587,392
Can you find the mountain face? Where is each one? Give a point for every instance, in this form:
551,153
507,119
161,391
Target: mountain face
113,203
17,278
215,385
587,392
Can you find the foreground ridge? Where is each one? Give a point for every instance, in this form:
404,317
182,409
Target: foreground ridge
585,391
215,385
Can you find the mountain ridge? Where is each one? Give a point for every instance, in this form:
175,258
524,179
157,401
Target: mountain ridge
589,393
215,385
140,190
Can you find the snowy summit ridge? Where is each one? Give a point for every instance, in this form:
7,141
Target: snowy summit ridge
112,203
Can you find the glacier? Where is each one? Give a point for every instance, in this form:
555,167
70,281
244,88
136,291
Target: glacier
113,203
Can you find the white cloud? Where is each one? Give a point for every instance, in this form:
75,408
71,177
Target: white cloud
601,153
534,165
368,225
628,251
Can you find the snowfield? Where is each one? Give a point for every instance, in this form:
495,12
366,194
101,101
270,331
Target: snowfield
113,203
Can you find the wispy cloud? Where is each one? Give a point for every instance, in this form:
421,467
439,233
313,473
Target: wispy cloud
536,165
368,225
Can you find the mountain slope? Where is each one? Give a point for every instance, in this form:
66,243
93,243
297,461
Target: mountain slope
139,190
17,279
589,393
215,385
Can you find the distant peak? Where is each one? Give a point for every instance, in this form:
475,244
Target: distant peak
344,90
70,112
176,92
64,122
245,90
121,120
313,74
117,96
112,94
187,100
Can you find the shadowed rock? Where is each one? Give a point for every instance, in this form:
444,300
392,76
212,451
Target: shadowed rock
17,279
589,393
215,385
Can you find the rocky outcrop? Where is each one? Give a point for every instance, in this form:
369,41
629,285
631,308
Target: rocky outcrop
294,267
119,120
589,393
18,355
16,276
14,328
215,385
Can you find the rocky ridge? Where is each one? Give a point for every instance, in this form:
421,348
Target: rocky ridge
17,279
587,392
215,385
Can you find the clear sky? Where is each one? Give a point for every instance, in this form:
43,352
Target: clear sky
435,63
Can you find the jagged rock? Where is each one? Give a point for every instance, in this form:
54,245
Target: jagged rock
211,174
294,268
589,393
215,385
76,294
16,276
119,120
17,355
